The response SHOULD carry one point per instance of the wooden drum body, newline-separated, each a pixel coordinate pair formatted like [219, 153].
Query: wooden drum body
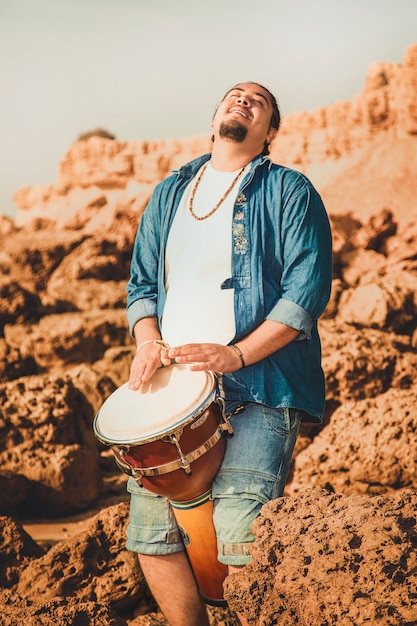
[169, 435]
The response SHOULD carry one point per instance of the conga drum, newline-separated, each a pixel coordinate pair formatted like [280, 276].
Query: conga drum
[169, 436]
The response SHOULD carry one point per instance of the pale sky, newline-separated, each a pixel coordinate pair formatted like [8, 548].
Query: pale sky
[155, 69]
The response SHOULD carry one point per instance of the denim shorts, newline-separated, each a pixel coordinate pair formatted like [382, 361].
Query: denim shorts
[253, 471]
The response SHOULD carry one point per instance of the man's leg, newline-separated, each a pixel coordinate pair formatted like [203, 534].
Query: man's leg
[154, 535]
[253, 471]
[173, 586]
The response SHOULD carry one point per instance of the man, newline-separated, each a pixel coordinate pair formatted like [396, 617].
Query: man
[230, 272]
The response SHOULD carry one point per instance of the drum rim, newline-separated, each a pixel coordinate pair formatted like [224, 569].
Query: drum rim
[157, 435]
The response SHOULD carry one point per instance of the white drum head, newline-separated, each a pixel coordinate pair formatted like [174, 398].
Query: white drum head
[169, 398]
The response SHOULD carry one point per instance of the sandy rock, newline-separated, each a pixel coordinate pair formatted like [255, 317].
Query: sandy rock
[14, 490]
[374, 234]
[95, 385]
[116, 363]
[382, 301]
[70, 338]
[27, 197]
[369, 446]
[344, 127]
[149, 619]
[105, 163]
[72, 612]
[93, 566]
[356, 262]
[217, 617]
[369, 179]
[17, 550]
[402, 249]
[47, 437]
[338, 288]
[34, 255]
[99, 173]
[17, 304]
[13, 365]
[79, 208]
[57, 612]
[344, 228]
[366, 305]
[96, 162]
[93, 276]
[118, 222]
[7, 226]
[362, 364]
[358, 248]
[410, 90]
[331, 559]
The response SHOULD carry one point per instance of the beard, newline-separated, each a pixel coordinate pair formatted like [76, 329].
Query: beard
[235, 131]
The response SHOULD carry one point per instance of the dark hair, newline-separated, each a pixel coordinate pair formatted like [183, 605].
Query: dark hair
[275, 121]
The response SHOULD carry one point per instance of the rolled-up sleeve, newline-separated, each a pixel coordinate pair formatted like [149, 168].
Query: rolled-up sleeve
[307, 255]
[294, 316]
[138, 310]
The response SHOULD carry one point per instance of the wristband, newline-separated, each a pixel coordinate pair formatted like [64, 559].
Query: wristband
[156, 342]
[239, 353]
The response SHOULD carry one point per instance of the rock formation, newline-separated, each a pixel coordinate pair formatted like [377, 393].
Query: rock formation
[341, 560]
[340, 547]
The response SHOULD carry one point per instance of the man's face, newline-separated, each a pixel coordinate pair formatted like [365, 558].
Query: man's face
[245, 112]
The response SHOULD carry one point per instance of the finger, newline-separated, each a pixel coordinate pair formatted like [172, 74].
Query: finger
[135, 381]
[149, 372]
[189, 353]
[165, 359]
[187, 349]
[136, 372]
[142, 375]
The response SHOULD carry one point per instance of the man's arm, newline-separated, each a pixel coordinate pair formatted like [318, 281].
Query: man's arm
[268, 338]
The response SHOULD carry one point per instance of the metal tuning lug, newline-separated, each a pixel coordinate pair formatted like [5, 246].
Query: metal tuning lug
[185, 464]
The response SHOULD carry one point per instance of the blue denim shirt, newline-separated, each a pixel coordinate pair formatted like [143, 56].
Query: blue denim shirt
[281, 270]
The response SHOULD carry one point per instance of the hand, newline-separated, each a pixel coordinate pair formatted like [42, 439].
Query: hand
[207, 356]
[145, 363]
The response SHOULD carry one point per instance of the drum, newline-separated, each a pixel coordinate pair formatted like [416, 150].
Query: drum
[169, 435]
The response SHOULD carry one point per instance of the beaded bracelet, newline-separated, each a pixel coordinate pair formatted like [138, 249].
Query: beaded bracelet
[156, 342]
[239, 353]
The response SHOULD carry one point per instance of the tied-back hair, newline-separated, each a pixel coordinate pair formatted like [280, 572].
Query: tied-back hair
[275, 121]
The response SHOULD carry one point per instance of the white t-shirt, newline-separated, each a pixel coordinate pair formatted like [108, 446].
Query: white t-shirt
[198, 259]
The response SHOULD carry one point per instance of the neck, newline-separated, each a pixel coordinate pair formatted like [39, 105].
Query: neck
[228, 156]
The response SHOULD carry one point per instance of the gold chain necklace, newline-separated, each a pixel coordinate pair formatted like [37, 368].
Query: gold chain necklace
[197, 182]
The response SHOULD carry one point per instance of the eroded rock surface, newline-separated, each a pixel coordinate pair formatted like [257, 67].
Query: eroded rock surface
[46, 436]
[323, 558]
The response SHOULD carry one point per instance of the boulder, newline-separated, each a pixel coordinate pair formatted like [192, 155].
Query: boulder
[92, 276]
[323, 558]
[386, 301]
[47, 438]
[369, 446]
[93, 566]
[17, 550]
[66, 339]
